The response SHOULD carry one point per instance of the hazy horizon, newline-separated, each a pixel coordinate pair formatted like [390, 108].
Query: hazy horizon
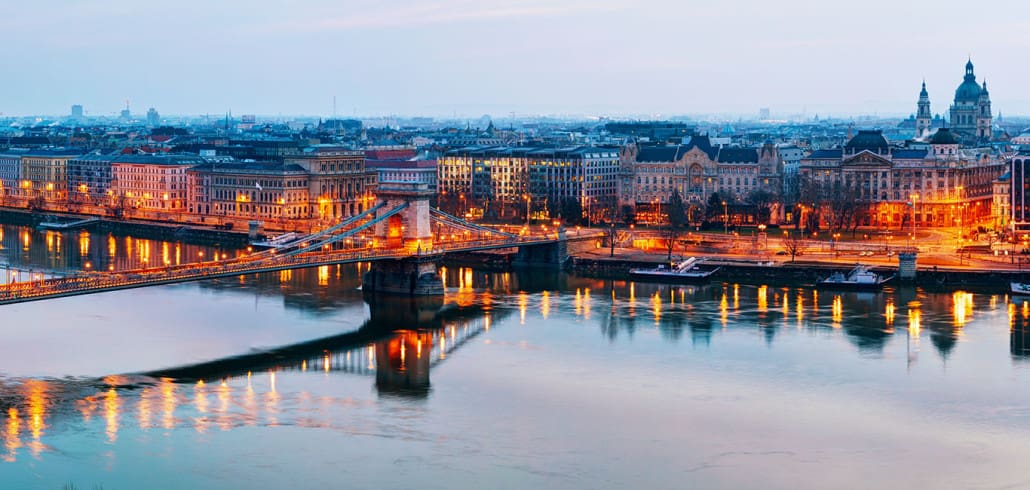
[459, 58]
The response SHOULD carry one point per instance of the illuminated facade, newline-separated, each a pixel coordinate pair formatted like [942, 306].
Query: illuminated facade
[1019, 181]
[249, 190]
[337, 181]
[44, 174]
[152, 183]
[499, 180]
[942, 185]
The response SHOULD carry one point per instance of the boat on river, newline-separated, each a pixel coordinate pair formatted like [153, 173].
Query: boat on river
[861, 277]
[1020, 288]
[687, 271]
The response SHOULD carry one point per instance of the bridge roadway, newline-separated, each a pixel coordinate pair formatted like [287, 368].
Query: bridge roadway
[97, 282]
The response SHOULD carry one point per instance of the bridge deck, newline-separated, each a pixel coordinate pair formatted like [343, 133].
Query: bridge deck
[96, 282]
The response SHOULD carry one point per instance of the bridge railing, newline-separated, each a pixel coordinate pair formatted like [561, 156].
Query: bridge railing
[240, 265]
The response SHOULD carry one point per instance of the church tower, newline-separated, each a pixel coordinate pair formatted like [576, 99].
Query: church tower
[923, 116]
[983, 116]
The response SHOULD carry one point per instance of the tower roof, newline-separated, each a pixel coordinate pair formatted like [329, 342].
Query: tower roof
[968, 90]
[943, 136]
[923, 93]
[867, 140]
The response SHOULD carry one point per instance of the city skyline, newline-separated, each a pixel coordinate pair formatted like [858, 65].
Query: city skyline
[460, 58]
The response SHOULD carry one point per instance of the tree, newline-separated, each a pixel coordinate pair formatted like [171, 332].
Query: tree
[677, 218]
[762, 201]
[572, 211]
[713, 207]
[792, 244]
[629, 215]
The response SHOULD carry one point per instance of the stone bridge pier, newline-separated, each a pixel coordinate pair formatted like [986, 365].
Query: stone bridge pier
[410, 229]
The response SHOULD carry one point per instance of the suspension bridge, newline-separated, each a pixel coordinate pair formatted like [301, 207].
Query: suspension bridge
[396, 235]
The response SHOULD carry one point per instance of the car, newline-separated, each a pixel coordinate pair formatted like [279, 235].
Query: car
[782, 252]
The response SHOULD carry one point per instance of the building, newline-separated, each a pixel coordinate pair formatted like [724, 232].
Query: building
[697, 171]
[269, 191]
[77, 113]
[502, 182]
[1019, 183]
[148, 183]
[1001, 209]
[10, 175]
[791, 156]
[337, 180]
[971, 111]
[924, 118]
[89, 178]
[44, 175]
[870, 182]
[153, 118]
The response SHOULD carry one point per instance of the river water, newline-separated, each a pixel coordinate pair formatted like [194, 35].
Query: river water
[529, 379]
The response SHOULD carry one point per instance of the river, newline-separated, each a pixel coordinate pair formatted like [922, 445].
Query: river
[528, 379]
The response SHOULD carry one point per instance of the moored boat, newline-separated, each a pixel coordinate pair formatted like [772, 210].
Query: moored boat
[861, 277]
[687, 271]
[1020, 288]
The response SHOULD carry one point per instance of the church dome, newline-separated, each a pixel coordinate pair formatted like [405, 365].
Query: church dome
[969, 90]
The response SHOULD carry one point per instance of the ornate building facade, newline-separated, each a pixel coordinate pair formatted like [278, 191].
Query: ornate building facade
[894, 187]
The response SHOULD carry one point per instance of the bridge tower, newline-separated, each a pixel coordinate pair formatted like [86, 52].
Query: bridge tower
[411, 229]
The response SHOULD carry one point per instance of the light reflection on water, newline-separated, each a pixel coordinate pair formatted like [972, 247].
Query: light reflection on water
[538, 379]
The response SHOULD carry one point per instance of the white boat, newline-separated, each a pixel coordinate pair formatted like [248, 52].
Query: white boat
[686, 271]
[1020, 288]
[861, 277]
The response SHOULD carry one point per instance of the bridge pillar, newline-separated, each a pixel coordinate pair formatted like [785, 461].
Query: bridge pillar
[412, 276]
[548, 254]
[411, 227]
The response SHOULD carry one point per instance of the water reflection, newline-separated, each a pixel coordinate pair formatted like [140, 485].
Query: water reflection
[398, 346]
[25, 252]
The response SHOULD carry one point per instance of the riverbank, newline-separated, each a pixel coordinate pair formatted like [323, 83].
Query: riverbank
[137, 228]
[798, 272]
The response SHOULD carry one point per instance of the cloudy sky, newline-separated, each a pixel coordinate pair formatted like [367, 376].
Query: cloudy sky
[467, 57]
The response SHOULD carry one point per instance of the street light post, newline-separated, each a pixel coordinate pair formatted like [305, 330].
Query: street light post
[725, 219]
[914, 197]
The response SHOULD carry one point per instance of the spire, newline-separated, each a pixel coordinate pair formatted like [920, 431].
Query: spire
[984, 92]
[922, 93]
[969, 70]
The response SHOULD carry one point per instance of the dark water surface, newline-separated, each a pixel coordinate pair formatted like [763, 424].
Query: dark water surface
[522, 380]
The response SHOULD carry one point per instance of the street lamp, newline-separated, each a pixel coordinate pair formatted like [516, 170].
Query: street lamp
[725, 218]
[913, 197]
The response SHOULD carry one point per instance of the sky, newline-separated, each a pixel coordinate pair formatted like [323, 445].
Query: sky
[642, 58]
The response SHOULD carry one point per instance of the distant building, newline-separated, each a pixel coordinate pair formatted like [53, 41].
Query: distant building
[498, 180]
[10, 174]
[77, 112]
[270, 191]
[153, 118]
[89, 178]
[939, 185]
[337, 180]
[1019, 183]
[44, 174]
[763, 114]
[971, 112]
[151, 183]
[1001, 209]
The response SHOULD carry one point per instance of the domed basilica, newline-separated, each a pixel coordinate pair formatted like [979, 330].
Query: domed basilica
[970, 115]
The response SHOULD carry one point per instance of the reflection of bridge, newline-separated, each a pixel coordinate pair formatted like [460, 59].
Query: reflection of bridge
[402, 235]
[399, 344]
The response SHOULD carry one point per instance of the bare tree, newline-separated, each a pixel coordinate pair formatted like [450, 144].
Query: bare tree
[792, 244]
